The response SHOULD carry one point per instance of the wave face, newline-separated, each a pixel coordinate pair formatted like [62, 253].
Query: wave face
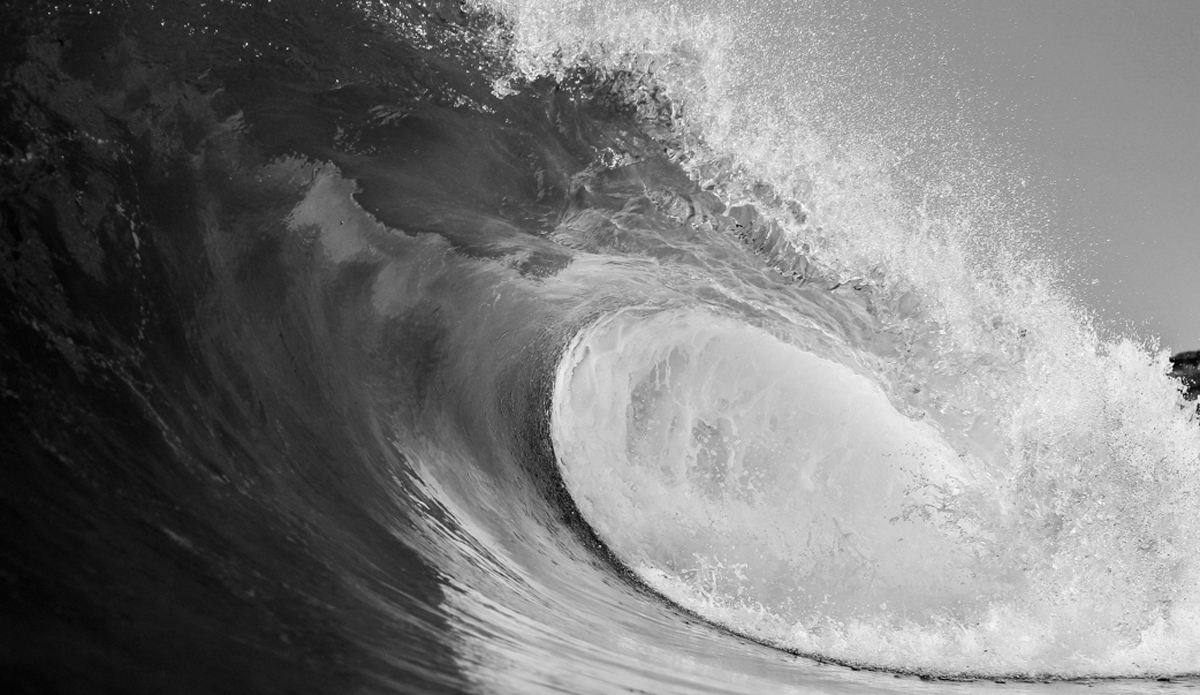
[529, 347]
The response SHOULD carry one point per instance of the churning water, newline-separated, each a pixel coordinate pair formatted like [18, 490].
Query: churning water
[543, 347]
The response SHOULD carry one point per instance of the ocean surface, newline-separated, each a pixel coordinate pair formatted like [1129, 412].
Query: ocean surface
[524, 346]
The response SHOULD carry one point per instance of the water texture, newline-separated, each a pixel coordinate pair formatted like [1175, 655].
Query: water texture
[555, 347]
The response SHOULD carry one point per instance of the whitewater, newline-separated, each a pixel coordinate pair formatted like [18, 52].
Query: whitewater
[588, 346]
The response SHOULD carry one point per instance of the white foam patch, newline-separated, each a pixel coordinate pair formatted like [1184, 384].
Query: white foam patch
[780, 493]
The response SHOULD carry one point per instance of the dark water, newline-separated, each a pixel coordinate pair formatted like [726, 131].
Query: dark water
[286, 290]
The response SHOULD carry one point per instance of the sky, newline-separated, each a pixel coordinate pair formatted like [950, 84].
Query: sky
[1106, 96]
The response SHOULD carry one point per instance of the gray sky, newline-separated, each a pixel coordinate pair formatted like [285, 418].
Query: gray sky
[1108, 95]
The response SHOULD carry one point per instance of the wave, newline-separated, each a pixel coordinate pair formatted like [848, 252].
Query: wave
[1003, 537]
[526, 346]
